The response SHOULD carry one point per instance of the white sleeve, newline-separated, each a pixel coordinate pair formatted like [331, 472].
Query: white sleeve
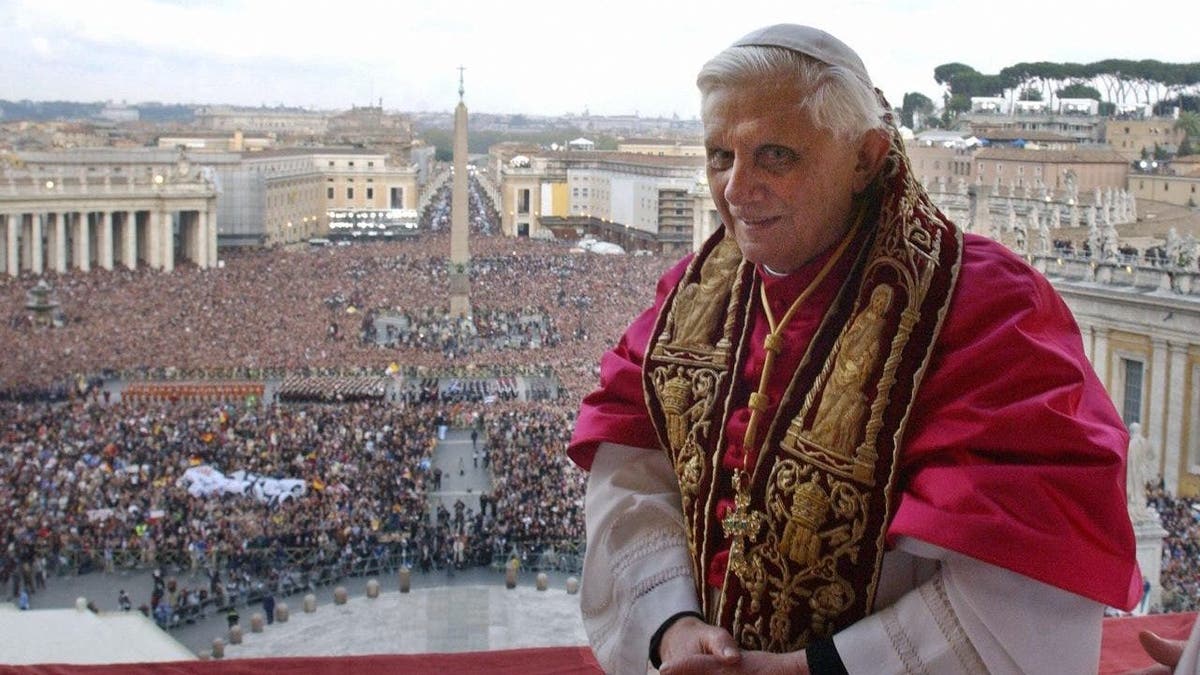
[972, 617]
[636, 570]
[1189, 663]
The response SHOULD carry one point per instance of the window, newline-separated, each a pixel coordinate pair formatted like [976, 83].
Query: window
[370, 192]
[351, 162]
[349, 193]
[1131, 403]
[370, 164]
[522, 201]
[329, 193]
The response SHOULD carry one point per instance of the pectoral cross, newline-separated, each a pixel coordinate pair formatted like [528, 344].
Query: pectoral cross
[741, 522]
[741, 525]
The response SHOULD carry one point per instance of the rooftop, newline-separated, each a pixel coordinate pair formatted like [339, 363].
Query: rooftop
[1072, 156]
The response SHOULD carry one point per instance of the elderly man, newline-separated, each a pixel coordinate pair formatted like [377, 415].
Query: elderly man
[847, 437]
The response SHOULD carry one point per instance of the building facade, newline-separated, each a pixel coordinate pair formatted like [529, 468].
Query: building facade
[1141, 330]
[1180, 190]
[649, 194]
[1022, 167]
[662, 147]
[281, 197]
[280, 121]
[1139, 138]
[78, 222]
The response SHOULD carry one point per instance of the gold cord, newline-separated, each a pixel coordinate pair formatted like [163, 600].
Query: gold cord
[773, 343]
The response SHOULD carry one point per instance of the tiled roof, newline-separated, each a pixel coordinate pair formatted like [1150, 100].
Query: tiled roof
[1073, 156]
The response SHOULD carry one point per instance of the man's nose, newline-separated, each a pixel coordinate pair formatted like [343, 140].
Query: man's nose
[743, 184]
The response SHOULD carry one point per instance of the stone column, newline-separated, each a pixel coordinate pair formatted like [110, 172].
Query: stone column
[1087, 332]
[200, 254]
[34, 243]
[104, 257]
[83, 238]
[167, 241]
[11, 257]
[211, 233]
[1100, 362]
[1156, 415]
[58, 244]
[153, 245]
[1174, 455]
[129, 240]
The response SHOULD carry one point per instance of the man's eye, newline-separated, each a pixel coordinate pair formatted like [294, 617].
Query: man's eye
[720, 159]
[775, 155]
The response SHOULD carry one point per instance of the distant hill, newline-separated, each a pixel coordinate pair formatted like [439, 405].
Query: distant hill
[44, 111]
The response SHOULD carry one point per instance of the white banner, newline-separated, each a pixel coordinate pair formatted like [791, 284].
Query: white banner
[204, 481]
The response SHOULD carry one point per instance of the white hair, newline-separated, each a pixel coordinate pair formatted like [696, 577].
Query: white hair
[835, 97]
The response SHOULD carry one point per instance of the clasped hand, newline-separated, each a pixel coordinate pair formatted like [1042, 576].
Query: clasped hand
[692, 646]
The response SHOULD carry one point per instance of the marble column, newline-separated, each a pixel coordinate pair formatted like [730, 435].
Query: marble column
[153, 245]
[1157, 415]
[201, 238]
[1088, 334]
[1100, 363]
[33, 243]
[1175, 456]
[83, 240]
[11, 260]
[211, 233]
[129, 240]
[167, 241]
[57, 244]
[104, 256]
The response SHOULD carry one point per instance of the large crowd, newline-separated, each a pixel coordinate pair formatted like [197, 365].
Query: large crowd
[1181, 550]
[94, 486]
[90, 481]
[302, 310]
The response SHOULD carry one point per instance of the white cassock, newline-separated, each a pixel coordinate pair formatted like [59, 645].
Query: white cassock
[937, 611]
[1190, 663]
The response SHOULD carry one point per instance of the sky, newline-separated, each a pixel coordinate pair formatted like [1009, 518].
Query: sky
[611, 57]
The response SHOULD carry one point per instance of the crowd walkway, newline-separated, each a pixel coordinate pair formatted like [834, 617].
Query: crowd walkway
[464, 474]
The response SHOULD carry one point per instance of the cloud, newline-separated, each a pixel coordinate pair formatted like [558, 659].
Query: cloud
[41, 47]
[530, 56]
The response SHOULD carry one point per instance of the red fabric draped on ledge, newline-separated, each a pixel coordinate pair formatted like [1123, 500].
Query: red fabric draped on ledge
[1120, 653]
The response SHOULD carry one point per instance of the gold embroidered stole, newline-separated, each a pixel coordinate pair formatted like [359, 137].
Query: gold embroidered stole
[808, 531]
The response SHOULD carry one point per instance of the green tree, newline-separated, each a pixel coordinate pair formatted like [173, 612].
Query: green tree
[1189, 124]
[915, 102]
[945, 73]
[1079, 90]
[1030, 94]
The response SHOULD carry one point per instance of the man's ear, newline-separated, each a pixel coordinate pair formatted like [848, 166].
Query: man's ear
[872, 150]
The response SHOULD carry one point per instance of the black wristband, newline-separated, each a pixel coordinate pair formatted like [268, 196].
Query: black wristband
[823, 658]
[656, 639]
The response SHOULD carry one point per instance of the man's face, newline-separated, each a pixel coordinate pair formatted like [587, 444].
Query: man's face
[783, 187]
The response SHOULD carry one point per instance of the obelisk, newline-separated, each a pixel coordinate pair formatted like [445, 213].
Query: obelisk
[460, 256]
